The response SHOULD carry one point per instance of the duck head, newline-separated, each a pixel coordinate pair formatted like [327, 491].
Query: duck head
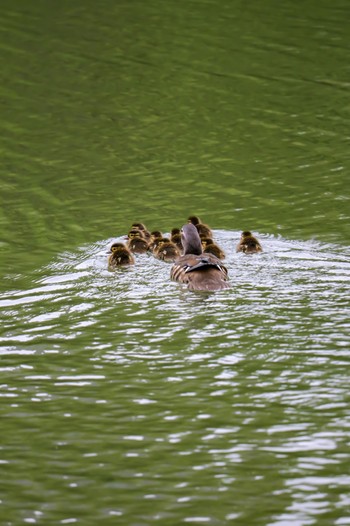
[191, 241]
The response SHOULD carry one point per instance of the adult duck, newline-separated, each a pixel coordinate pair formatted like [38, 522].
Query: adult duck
[197, 270]
[120, 256]
[248, 244]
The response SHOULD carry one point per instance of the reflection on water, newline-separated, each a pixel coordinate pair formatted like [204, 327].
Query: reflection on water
[184, 401]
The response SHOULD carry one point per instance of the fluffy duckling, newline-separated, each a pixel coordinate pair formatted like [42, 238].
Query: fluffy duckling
[156, 234]
[120, 256]
[156, 237]
[136, 242]
[209, 247]
[198, 270]
[153, 247]
[194, 220]
[167, 250]
[203, 230]
[248, 244]
[206, 241]
[135, 232]
[140, 226]
[175, 237]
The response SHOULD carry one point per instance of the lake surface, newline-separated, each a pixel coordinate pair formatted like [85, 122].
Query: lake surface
[126, 399]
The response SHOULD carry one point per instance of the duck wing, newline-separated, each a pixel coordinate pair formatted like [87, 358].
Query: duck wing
[203, 272]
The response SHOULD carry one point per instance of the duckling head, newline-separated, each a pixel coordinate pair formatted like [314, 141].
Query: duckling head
[206, 241]
[135, 233]
[139, 226]
[156, 234]
[194, 220]
[116, 246]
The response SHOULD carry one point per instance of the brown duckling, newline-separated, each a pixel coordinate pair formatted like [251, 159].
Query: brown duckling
[248, 244]
[156, 235]
[194, 220]
[136, 242]
[120, 256]
[135, 232]
[153, 247]
[209, 247]
[206, 241]
[167, 250]
[140, 226]
[198, 270]
[203, 230]
[175, 237]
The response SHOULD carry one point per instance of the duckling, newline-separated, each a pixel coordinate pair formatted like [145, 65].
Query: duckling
[209, 247]
[166, 250]
[194, 220]
[143, 229]
[153, 247]
[198, 270]
[203, 230]
[137, 243]
[248, 244]
[135, 232]
[156, 236]
[206, 241]
[175, 237]
[120, 256]
[140, 226]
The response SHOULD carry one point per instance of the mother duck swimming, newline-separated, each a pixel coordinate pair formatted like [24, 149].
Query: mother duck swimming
[198, 270]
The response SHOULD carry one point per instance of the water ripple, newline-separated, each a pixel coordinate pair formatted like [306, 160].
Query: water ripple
[286, 287]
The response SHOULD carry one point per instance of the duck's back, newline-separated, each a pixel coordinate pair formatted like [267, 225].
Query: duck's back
[200, 272]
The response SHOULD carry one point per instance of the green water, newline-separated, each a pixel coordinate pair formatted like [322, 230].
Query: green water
[126, 399]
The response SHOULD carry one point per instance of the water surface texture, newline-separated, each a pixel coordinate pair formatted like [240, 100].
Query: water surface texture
[125, 398]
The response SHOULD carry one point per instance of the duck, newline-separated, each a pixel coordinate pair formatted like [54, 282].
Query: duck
[248, 243]
[166, 250]
[209, 247]
[203, 230]
[156, 236]
[120, 256]
[194, 220]
[135, 232]
[199, 271]
[140, 226]
[153, 247]
[136, 242]
[175, 237]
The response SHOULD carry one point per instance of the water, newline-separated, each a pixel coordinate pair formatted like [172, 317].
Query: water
[127, 399]
[131, 397]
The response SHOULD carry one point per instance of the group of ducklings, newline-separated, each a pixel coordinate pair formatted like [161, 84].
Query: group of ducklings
[141, 241]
